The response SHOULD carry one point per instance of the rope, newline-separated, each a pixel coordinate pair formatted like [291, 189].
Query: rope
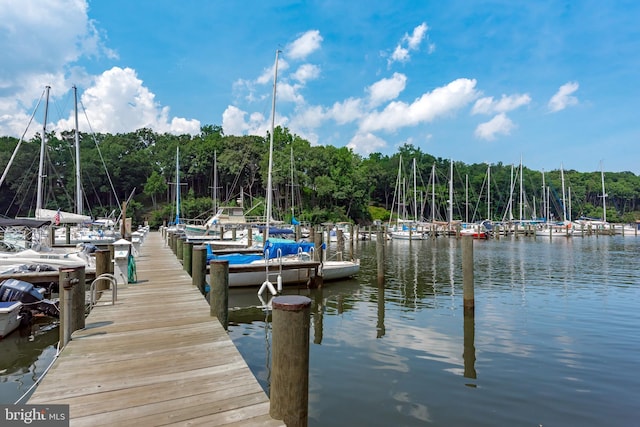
[41, 376]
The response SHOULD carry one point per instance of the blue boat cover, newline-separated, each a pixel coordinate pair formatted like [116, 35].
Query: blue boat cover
[280, 248]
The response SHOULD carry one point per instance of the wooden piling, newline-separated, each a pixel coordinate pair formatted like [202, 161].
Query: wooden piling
[111, 257]
[340, 243]
[180, 246]
[187, 256]
[72, 301]
[290, 360]
[469, 351]
[318, 236]
[380, 255]
[467, 273]
[199, 267]
[219, 294]
[103, 259]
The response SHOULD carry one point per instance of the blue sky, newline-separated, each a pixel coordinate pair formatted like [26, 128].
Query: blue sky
[552, 82]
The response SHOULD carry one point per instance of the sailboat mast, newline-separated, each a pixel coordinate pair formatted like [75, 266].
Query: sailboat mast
[564, 197]
[41, 176]
[521, 191]
[544, 199]
[215, 182]
[604, 195]
[415, 197]
[177, 185]
[466, 198]
[292, 187]
[489, 192]
[270, 170]
[450, 191]
[433, 193]
[79, 207]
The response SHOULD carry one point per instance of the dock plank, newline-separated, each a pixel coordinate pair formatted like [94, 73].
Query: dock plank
[155, 357]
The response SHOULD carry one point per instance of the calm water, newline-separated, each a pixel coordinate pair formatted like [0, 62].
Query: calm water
[555, 340]
[24, 355]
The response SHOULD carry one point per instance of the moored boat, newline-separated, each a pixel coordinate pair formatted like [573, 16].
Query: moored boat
[9, 317]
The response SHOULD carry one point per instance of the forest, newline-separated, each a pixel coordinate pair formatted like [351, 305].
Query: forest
[314, 183]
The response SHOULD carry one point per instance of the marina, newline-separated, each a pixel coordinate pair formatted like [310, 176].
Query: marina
[552, 339]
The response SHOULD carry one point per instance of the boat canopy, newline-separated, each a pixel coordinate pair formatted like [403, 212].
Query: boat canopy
[23, 222]
[277, 249]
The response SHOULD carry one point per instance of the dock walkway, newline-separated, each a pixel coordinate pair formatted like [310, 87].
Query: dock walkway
[154, 358]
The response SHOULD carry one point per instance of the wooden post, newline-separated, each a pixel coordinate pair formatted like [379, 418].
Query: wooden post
[123, 221]
[219, 294]
[199, 267]
[172, 241]
[290, 360]
[318, 244]
[187, 255]
[467, 273]
[51, 237]
[72, 281]
[67, 229]
[469, 351]
[180, 246]
[340, 243]
[353, 235]
[103, 258]
[380, 255]
[111, 257]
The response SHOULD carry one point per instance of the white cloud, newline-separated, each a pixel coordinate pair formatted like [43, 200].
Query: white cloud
[118, 102]
[304, 45]
[346, 111]
[233, 121]
[441, 101]
[409, 43]
[267, 73]
[500, 124]
[41, 45]
[563, 97]
[308, 118]
[386, 89]
[488, 105]
[289, 93]
[366, 143]
[400, 54]
[306, 72]
[415, 39]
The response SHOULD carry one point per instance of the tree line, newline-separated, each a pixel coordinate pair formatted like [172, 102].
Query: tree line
[314, 183]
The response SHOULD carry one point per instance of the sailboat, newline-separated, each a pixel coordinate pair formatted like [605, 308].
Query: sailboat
[282, 262]
[39, 254]
[561, 228]
[402, 230]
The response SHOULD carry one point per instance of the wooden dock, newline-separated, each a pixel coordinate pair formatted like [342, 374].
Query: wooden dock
[155, 358]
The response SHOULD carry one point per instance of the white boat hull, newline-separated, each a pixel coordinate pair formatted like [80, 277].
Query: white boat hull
[330, 270]
[9, 317]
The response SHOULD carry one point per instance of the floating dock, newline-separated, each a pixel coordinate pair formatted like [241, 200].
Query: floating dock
[154, 358]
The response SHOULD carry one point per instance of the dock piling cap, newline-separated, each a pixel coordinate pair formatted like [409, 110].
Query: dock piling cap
[290, 302]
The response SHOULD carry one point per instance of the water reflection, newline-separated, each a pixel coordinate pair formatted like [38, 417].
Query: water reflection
[548, 315]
